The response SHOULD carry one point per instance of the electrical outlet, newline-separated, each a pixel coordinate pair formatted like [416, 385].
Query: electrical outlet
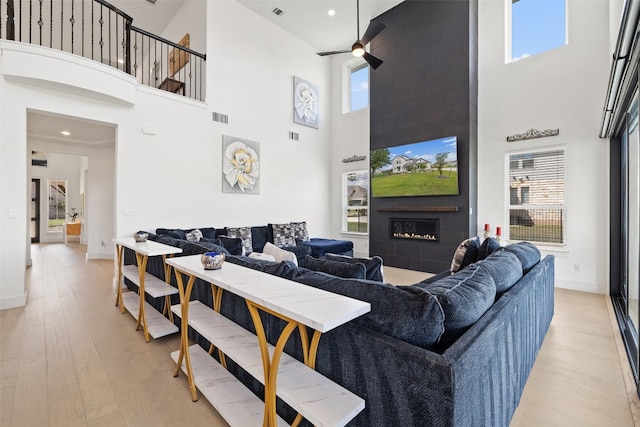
[576, 267]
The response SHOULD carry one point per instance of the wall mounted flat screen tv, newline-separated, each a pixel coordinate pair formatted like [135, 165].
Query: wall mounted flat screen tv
[427, 168]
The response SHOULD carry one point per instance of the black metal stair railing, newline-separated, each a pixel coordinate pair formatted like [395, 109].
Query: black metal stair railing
[97, 30]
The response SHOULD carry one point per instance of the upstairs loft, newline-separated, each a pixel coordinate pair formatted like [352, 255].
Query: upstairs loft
[97, 30]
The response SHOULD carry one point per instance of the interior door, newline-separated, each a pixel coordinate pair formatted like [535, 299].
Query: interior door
[35, 211]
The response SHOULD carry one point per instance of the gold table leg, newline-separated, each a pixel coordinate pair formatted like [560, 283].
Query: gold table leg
[185, 296]
[270, 364]
[119, 301]
[142, 316]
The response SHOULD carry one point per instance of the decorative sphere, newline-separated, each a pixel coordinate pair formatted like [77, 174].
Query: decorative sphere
[212, 260]
[140, 237]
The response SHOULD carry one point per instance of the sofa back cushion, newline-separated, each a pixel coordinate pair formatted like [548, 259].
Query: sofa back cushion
[464, 297]
[341, 269]
[527, 253]
[505, 269]
[284, 269]
[404, 312]
[372, 265]
[487, 247]
[259, 237]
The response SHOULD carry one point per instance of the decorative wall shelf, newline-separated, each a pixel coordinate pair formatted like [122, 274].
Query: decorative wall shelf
[420, 209]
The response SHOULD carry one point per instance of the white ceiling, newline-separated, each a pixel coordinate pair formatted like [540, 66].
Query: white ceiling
[306, 19]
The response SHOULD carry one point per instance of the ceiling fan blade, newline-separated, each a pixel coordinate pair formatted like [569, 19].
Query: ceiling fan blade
[332, 52]
[373, 30]
[372, 60]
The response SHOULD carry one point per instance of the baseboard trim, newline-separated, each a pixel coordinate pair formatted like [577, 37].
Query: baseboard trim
[13, 302]
[100, 255]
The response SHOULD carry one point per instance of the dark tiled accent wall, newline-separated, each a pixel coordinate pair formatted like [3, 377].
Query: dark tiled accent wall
[427, 88]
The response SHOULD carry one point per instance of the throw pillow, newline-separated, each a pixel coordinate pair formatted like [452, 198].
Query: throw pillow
[489, 245]
[243, 233]
[279, 254]
[345, 270]
[234, 245]
[465, 254]
[283, 235]
[194, 236]
[177, 234]
[262, 256]
[373, 265]
[300, 231]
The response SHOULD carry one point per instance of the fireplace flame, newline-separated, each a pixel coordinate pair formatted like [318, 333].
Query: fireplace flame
[415, 236]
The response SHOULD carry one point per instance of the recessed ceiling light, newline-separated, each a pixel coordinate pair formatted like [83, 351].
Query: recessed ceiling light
[65, 132]
[331, 12]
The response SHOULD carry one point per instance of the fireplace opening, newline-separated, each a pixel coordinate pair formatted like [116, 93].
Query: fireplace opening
[418, 229]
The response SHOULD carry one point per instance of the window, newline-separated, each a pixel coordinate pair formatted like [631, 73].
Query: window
[359, 87]
[57, 204]
[355, 188]
[537, 210]
[536, 26]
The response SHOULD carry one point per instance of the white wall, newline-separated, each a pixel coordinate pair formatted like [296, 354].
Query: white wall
[349, 137]
[171, 176]
[562, 88]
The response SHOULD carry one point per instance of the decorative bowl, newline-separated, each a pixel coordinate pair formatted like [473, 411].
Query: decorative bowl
[212, 260]
[140, 237]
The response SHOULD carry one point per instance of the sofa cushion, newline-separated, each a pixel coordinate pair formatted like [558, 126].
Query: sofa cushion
[208, 232]
[420, 321]
[177, 234]
[465, 254]
[245, 234]
[300, 231]
[212, 246]
[283, 235]
[505, 269]
[337, 268]
[231, 246]
[193, 248]
[527, 253]
[259, 237]
[279, 254]
[372, 265]
[488, 245]
[464, 297]
[193, 236]
[320, 247]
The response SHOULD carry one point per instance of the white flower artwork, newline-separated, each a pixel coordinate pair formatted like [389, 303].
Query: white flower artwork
[240, 165]
[306, 109]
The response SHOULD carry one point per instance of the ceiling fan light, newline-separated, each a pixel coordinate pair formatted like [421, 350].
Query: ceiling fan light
[357, 49]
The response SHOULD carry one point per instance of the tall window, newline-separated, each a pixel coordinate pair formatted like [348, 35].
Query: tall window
[359, 87]
[537, 211]
[537, 26]
[355, 201]
[57, 204]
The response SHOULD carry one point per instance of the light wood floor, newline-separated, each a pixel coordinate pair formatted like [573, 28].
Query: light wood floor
[69, 358]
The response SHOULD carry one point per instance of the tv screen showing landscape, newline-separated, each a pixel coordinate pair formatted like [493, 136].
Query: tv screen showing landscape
[427, 168]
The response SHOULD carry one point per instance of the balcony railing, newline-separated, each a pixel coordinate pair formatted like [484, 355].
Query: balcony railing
[99, 31]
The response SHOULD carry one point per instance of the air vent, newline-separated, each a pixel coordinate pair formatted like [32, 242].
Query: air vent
[294, 136]
[221, 118]
[152, 1]
[278, 12]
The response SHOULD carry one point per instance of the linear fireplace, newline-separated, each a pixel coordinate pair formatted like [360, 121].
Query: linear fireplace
[417, 229]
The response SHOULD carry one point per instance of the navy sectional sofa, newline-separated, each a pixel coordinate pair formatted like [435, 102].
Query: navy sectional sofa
[454, 350]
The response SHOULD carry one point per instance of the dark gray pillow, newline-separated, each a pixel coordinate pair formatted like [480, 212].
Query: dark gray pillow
[232, 244]
[373, 265]
[465, 254]
[504, 267]
[177, 234]
[487, 247]
[341, 269]
[406, 313]
[213, 245]
[527, 253]
[464, 297]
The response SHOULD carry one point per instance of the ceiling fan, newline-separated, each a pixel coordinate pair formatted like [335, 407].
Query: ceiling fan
[357, 49]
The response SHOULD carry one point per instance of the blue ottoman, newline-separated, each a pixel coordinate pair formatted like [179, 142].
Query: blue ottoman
[319, 247]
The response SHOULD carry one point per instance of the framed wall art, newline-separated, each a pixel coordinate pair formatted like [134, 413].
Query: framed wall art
[306, 108]
[240, 165]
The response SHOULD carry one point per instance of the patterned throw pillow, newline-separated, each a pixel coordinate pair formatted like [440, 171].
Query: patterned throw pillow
[283, 235]
[300, 231]
[245, 234]
[194, 236]
[465, 254]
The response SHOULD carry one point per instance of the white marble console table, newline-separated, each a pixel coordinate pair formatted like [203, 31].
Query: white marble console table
[312, 395]
[153, 323]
